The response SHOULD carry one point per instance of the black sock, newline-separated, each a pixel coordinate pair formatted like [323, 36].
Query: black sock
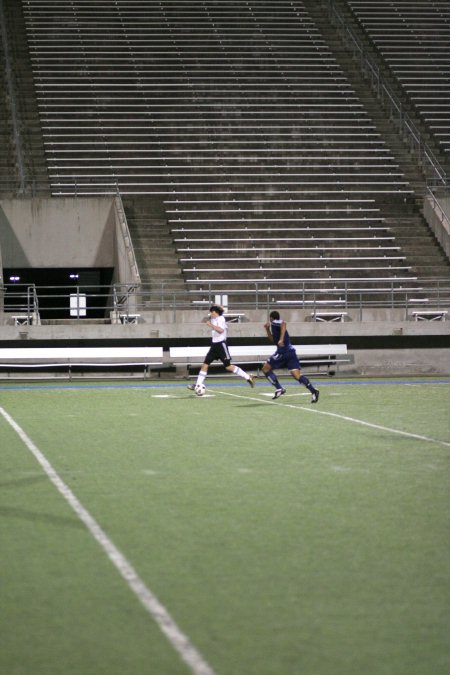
[304, 380]
[273, 379]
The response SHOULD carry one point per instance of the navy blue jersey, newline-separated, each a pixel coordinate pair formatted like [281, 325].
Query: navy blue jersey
[275, 327]
[286, 356]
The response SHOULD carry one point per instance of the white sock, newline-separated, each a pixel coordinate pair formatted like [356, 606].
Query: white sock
[241, 373]
[200, 378]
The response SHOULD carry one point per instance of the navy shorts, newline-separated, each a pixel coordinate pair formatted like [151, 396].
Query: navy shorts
[286, 358]
[218, 352]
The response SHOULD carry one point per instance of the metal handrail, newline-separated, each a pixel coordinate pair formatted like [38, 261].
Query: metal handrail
[406, 125]
[45, 302]
[441, 211]
[122, 218]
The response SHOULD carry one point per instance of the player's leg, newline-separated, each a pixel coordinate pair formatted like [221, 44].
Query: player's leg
[302, 379]
[273, 379]
[202, 373]
[225, 356]
[241, 373]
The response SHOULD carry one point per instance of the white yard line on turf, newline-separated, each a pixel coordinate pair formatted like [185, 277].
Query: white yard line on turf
[159, 613]
[317, 411]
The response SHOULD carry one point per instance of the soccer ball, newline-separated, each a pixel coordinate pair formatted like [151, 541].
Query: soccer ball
[200, 389]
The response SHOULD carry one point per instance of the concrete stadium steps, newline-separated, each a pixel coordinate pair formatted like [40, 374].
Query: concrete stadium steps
[152, 242]
[288, 254]
[420, 246]
[321, 269]
[412, 40]
[241, 242]
[318, 293]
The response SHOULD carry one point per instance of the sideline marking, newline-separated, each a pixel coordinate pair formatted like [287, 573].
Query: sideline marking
[158, 612]
[98, 386]
[315, 410]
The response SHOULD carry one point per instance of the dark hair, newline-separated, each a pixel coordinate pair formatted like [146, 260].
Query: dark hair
[216, 308]
[275, 315]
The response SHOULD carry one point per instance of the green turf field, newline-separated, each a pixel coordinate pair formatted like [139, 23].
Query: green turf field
[280, 538]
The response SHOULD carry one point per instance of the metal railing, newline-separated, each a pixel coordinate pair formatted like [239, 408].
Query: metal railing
[119, 303]
[126, 237]
[441, 206]
[435, 173]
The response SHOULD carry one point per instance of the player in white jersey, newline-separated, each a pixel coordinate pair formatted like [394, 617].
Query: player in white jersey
[218, 350]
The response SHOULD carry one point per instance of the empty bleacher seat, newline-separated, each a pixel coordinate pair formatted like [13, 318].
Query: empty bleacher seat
[238, 116]
[413, 39]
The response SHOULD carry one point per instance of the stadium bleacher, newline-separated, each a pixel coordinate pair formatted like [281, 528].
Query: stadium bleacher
[413, 39]
[239, 118]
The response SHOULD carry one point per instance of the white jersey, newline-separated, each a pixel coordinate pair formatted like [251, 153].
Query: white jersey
[220, 322]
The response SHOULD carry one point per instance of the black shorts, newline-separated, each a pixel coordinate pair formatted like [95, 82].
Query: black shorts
[218, 352]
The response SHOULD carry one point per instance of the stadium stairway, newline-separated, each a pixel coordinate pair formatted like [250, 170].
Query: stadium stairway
[153, 246]
[434, 64]
[405, 221]
[411, 41]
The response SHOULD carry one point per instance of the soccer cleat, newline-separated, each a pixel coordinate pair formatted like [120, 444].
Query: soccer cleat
[315, 396]
[251, 381]
[278, 393]
[191, 387]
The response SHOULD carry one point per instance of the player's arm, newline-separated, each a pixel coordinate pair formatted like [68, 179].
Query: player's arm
[219, 329]
[268, 331]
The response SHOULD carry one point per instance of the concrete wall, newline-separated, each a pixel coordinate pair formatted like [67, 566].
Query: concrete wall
[68, 232]
[432, 357]
[57, 232]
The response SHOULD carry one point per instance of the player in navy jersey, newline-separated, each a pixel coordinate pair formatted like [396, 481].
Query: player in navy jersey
[218, 350]
[284, 357]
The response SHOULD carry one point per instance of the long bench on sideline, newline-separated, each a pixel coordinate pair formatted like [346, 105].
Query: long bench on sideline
[326, 356]
[69, 357]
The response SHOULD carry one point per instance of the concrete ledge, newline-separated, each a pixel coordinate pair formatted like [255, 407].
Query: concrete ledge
[194, 328]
